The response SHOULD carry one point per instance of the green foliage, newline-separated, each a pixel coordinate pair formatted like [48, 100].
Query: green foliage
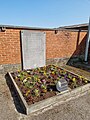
[43, 86]
[36, 92]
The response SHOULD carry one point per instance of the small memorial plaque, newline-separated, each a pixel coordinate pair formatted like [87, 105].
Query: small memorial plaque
[62, 85]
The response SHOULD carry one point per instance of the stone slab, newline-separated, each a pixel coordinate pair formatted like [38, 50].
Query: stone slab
[33, 49]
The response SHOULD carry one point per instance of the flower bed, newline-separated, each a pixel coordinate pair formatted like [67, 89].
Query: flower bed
[40, 83]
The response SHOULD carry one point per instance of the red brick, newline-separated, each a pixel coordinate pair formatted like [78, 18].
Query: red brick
[62, 44]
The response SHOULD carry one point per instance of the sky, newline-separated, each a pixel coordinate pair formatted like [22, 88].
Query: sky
[44, 13]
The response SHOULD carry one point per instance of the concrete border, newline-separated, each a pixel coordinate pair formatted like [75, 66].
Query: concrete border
[62, 97]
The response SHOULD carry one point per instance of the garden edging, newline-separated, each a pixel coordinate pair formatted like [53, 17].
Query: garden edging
[49, 101]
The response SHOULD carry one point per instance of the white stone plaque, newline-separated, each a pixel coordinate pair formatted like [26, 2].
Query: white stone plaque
[33, 49]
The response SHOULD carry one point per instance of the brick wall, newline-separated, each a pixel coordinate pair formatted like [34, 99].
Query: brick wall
[62, 44]
[10, 46]
[65, 44]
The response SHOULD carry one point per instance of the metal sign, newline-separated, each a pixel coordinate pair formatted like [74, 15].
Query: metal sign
[62, 85]
[33, 49]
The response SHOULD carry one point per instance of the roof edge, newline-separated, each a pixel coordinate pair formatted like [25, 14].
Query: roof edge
[25, 27]
[75, 26]
[38, 28]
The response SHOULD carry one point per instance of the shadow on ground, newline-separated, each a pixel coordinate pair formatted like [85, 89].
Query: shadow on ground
[14, 95]
[80, 51]
[81, 65]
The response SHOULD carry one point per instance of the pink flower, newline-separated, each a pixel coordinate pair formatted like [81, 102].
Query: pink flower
[44, 81]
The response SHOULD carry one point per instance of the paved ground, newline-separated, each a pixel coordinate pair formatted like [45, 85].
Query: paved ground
[76, 109]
